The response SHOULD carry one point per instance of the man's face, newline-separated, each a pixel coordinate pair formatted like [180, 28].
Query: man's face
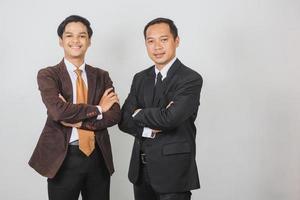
[75, 40]
[160, 43]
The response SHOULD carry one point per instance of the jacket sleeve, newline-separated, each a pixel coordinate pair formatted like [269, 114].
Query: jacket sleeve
[57, 108]
[127, 124]
[110, 118]
[186, 102]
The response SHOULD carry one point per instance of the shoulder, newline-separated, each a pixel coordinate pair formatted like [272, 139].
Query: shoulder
[144, 73]
[97, 70]
[189, 73]
[50, 71]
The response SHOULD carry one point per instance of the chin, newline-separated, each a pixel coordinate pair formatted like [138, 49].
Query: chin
[76, 56]
[161, 62]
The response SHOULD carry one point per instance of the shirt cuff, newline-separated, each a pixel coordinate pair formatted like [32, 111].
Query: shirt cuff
[147, 133]
[100, 116]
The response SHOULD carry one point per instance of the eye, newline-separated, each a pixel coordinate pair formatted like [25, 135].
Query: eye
[82, 36]
[150, 41]
[164, 39]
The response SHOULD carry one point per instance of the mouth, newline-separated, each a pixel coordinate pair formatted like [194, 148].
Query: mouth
[75, 47]
[159, 55]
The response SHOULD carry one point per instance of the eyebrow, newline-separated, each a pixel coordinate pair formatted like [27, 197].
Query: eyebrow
[79, 33]
[148, 38]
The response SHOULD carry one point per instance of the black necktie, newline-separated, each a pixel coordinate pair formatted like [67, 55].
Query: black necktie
[157, 88]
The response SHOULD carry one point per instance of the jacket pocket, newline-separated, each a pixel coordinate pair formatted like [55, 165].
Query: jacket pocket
[176, 148]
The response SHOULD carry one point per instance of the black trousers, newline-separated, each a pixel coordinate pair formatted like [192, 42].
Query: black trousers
[144, 191]
[80, 174]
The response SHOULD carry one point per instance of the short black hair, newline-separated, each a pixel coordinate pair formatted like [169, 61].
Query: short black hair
[160, 20]
[74, 18]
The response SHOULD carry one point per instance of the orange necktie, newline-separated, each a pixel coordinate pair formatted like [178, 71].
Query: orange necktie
[86, 138]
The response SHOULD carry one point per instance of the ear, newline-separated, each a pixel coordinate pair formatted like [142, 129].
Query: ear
[60, 42]
[177, 41]
[90, 42]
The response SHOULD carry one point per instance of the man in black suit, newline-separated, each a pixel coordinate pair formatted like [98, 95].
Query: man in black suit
[159, 112]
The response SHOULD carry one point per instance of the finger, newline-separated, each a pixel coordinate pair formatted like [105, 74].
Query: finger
[65, 123]
[112, 99]
[169, 104]
[113, 102]
[77, 125]
[61, 97]
[107, 91]
[111, 95]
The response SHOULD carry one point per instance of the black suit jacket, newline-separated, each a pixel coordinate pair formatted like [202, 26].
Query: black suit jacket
[171, 154]
[52, 146]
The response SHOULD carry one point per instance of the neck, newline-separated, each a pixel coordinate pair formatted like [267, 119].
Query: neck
[77, 62]
[160, 67]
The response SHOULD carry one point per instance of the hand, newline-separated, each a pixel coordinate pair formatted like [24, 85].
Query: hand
[108, 99]
[76, 125]
[156, 131]
[62, 98]
[169, 104]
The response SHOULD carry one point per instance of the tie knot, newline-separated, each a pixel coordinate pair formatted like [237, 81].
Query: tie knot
[78, 72]
[159, 76]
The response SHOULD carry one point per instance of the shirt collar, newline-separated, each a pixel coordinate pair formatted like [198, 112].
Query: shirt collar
[165, 69]
[71, 67]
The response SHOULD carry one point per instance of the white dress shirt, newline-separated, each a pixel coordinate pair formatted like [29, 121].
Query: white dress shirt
[73, 76]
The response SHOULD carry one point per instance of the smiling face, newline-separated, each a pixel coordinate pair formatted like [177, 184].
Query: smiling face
[75, 41]
[160, 43]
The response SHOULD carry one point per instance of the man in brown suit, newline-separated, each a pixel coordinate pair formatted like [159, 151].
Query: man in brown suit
[74, 149]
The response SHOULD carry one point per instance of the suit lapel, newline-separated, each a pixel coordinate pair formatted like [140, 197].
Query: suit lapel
[66, 83]
[148, 87]
[167, 82]
[66, 90]
[92, 83]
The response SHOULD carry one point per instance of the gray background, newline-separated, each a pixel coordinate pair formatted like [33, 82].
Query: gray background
[246, 50]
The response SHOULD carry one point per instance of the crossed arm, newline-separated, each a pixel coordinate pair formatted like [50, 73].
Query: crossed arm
[77, 114]
[183, 105]
[153, 131]
[108, 99]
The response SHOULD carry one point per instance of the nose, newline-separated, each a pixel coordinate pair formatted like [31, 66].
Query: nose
[158, 45]
[75, 39]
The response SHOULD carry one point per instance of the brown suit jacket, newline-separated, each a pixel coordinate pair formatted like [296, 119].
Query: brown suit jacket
[52, 145]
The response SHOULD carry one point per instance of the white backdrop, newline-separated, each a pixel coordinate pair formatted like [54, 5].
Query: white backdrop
[246, 50]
